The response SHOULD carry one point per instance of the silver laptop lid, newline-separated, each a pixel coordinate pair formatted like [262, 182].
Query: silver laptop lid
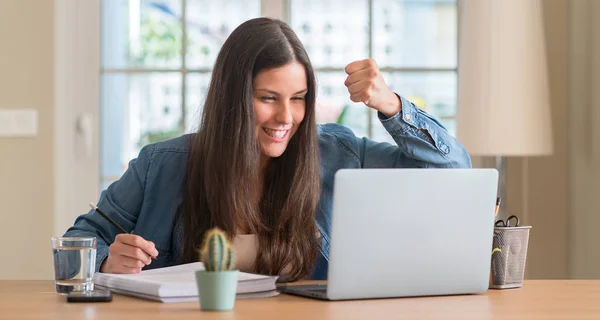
[411, 232]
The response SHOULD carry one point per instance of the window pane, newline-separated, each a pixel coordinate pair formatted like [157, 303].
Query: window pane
[449, 124]
[333, 99]
[141, 33]
[196, 89]
[434, 92]
[334, 32]
[414, 33]
[137, 109]
[209, 23]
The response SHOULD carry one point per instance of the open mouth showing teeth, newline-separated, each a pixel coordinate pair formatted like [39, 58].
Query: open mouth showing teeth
[277, 134]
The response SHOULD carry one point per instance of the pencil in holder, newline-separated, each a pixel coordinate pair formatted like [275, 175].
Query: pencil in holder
[509, 256]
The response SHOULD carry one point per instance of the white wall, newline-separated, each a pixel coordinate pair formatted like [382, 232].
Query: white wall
[584, 139]
[52, 67]
[26, 164]
[559, 195]
[544, 181]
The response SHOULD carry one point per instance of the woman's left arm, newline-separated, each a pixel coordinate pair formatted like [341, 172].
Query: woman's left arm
[420, 138]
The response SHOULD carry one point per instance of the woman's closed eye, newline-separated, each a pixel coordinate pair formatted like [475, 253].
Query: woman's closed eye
[267, 98]
[272, 98]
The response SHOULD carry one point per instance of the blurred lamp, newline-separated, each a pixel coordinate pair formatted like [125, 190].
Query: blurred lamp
[503, 99]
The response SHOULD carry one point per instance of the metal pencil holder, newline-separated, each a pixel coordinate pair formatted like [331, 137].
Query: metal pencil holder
[509, 254]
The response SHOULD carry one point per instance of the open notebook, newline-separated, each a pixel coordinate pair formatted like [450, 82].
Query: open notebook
[178, 284]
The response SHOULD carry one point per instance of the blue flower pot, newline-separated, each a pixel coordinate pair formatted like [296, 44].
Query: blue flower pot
[217, 290]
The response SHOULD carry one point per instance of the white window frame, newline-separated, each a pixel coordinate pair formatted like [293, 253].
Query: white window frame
[77, 108]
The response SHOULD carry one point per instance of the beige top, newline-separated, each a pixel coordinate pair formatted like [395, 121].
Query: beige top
[246, 248]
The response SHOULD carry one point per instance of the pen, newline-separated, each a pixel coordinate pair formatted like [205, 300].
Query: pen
[107, 218]
[112, 221]
[498, 200]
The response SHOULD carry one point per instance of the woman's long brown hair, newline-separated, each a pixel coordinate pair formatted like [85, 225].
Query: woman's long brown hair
[224, 158]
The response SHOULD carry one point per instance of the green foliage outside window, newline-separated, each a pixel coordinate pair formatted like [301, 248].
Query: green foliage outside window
[157, 136]
[159, 40]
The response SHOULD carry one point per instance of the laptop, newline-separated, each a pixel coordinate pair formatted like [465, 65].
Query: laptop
[408, 233]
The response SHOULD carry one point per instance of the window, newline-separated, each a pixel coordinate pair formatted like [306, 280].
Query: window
[157, 58]
[156, 63]
[414, 43]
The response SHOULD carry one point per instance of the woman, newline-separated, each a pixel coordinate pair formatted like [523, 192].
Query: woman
[259, 167]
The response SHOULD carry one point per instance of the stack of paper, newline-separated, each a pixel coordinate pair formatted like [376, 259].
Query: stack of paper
[178, 284]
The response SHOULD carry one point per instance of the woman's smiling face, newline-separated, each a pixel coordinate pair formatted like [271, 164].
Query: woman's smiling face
[279, 106]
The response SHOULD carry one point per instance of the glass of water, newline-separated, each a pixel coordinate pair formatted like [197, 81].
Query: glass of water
[74, 263]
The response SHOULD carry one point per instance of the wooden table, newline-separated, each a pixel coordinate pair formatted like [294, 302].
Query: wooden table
[539, 299]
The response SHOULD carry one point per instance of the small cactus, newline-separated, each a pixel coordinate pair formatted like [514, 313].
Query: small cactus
[217, 253]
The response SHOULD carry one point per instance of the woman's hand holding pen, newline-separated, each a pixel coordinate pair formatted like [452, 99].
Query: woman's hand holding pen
[129, 254]
[366, 84]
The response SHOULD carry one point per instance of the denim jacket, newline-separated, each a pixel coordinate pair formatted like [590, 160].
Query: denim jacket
[146, 198]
